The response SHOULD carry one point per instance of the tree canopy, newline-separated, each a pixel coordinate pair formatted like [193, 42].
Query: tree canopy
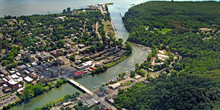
[190, 30]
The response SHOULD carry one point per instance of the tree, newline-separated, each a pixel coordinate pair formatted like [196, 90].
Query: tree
[72, 57]
[123, 74]
[120, 42]
[149, 57]
[68, 9]
[64, 10]
[77, 94]
[26, 59]
[55, 63]
[21, 83]
[141, 72]
[96, 107]
[119, 75]
[132, 74]
[128, 47]
[80, 103]
[178, 66]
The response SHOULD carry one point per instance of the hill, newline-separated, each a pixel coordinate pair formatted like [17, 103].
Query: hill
[188, 29]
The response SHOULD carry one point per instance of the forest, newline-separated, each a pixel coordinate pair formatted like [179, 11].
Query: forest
[187, 29]
[171, 93]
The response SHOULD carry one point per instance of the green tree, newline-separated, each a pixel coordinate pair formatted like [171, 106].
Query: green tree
[132, 74]
[72, 57]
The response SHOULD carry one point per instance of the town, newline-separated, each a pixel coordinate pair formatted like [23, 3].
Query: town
[39, 48]
[104, 95]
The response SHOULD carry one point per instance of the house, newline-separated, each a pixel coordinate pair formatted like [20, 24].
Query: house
[1, 82]
[162, 57]
[137, 77]
[81, 45]
[20, 90]
[34, 76]
[152, 59]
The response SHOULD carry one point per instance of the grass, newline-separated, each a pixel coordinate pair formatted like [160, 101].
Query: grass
[105, 27]
[127, 83]
[164, 30]
[21, 22]
[140, 84]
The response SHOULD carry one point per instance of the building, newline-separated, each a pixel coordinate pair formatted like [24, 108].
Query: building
[21, 67]
[78, 74]
[28, 79]
[103, 88]
[114, 86]
[91, 102]
[92, 68]
[67, 104]
[20, 90]
[146, 82]
[13, 84]
[137, 77]
[44, 80]
[109, 100]
[3, 71]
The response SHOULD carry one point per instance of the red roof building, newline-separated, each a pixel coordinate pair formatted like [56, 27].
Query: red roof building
[78, 74]
[92, 68]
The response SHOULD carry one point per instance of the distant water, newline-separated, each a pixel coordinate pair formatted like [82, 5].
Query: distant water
[29, 7]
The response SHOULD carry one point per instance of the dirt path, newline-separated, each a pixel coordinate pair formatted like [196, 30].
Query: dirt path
[97, 31]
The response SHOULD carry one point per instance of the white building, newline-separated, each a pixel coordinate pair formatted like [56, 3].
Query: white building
[114, 86]
[28, 79]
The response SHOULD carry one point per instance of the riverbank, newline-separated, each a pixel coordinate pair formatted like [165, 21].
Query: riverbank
[25, 96]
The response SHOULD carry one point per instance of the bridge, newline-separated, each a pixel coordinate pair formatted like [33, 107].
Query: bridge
[84, 89]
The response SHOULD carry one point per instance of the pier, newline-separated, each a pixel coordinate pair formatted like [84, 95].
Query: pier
[81, 87]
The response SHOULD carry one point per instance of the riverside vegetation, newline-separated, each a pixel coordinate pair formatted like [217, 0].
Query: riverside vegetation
[190, 30]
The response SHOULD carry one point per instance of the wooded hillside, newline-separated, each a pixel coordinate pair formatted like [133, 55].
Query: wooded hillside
[189, 29]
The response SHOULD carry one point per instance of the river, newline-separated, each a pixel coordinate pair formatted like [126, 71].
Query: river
[28, 7]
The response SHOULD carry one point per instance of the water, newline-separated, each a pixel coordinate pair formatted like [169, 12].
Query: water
[52, 95]
[28, 7]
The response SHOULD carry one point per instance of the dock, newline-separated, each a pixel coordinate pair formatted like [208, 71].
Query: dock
[81, 87]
